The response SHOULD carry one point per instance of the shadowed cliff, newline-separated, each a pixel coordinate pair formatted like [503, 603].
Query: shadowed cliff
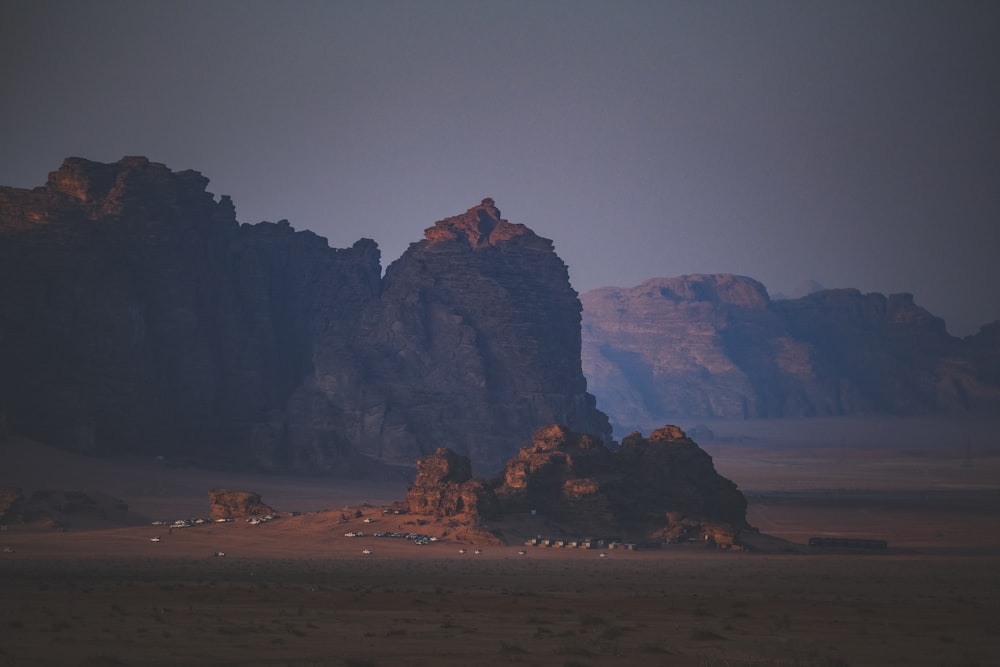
[138, 317]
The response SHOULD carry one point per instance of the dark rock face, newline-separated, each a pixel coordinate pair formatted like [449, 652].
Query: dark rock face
[479, 327]
[225, 504]
[717, 346]
[655, 488]
[137, 316]
[668, 472]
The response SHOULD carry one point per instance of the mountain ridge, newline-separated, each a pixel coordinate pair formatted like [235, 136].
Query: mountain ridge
[138, 317]
[717, 346]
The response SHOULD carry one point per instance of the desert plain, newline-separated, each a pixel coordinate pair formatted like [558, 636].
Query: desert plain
[296, 591]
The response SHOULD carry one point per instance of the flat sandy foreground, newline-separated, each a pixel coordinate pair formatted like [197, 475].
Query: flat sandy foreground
[296, 591]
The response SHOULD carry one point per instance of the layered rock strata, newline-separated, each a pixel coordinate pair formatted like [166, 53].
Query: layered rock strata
[716, 346]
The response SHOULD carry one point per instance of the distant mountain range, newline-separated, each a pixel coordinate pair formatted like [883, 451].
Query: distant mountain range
[716, 346]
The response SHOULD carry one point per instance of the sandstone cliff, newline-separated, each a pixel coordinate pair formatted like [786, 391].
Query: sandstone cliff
[479, 325]
[717, 346]
[137, 316]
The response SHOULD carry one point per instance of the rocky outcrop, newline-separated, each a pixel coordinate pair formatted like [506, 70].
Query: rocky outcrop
[655, 489]
[663, 488]
[137, 316]
[225, 504]
[703, 346]
[444, 487]
[668, 474]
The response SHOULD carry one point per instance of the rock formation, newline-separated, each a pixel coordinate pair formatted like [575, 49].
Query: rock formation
[225, 504]
[663, 488]
[476, 342]
[655, 489]
[137, 316]
[444, 487]
[717, 346]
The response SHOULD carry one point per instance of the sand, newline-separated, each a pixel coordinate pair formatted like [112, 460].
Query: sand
[296, 591]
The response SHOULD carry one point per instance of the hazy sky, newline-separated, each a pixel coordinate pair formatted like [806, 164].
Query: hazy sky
[853, 143]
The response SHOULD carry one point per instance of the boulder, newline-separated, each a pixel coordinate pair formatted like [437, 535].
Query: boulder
[225, 504]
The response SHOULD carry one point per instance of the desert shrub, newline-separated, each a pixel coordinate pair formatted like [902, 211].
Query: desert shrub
[571, 648]
[509, 648]
[358, 662]
[781, 622]
[704, 634]
[592, 619]
[653, 647]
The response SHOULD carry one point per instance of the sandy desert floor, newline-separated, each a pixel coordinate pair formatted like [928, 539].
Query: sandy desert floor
[296, 591]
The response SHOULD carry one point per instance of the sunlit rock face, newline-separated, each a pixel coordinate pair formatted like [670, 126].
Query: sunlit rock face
[444, 487]
[227, 504]
[716, 346]
[138, 316]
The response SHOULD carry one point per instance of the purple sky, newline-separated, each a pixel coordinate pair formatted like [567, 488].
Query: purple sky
[853, 143]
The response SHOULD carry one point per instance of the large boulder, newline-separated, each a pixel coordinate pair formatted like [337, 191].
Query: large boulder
[226, 504]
